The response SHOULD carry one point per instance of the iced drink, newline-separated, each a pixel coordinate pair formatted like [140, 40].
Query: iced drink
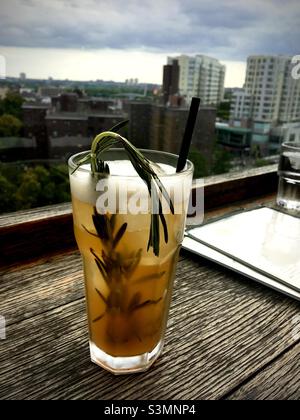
[128, 287]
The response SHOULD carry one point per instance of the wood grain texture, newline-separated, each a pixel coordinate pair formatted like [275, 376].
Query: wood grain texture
[37, 288]
[239, 175]
[48, 231]
[277, 381]
[223, 330]
[33, 215]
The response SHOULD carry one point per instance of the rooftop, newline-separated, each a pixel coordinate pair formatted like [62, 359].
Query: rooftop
[79, 116]
[226, 127]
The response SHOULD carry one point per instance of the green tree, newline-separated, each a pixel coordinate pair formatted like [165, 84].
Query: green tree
[28, 193]
[223, 110]
[41, 186]
[221, 161]
[256, 152]
[7, 190]
[12, 104]
[10, 126]
[200, 163]
[23, 186]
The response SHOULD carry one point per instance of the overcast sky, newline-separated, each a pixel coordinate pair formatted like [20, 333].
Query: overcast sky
[119, 39]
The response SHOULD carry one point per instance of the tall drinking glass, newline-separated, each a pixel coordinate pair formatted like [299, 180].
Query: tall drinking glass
[128, 284]
[289, 177]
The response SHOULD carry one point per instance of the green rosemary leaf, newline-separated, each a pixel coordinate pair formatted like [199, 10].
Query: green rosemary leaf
[135, 300]
[154, 238]
[108, 228]
[154, 228]
[101, 269]
[100, 225]
[100, 266]
[98, 318]
[146, 303]
[119, 235]
[164, 223]
[144, 167]
[91, 233]
[101, 296]
[86, 159]
[112, 222]
[119, 126]
[102, 167]
[108, 262]
[164, 193]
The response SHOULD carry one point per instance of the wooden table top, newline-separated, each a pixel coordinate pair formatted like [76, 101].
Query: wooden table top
[228, 338]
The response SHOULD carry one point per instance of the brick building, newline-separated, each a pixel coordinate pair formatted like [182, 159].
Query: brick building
[69, 120]
[34, 121]
[161, 128]
[170, 81]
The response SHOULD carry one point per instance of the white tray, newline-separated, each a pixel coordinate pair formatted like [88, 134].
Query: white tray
[262, 244]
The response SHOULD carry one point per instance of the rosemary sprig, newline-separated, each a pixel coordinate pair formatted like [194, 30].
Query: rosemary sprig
[117, 271]
[144, 167]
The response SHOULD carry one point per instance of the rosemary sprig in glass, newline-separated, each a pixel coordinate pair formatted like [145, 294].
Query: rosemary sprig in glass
[144, 167]
[116, 270]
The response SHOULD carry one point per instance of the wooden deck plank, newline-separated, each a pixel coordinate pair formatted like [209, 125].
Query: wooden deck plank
[223, 329]
[278, 381]
[41, 286]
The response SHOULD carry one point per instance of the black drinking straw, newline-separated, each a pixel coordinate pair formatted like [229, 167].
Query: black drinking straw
[188, 134]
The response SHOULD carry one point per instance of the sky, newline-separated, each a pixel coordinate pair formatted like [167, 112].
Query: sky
[120, 39]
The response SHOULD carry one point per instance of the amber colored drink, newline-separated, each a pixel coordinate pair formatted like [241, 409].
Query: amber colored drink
[128, 288]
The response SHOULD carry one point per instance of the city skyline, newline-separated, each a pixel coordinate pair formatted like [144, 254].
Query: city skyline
[93, 39]
[85, 65]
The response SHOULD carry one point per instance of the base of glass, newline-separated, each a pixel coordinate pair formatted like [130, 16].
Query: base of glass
[288, 204]
[125, 365]
[289, 194]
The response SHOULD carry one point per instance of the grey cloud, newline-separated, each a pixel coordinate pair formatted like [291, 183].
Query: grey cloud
[231, 29]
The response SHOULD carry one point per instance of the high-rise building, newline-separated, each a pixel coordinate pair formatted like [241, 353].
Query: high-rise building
[22, 76]
[170, 80]
[159, 127]
[273, 91]
[269, 104]
[200, 76]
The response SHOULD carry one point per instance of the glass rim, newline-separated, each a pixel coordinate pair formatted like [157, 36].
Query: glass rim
[291, 146]
[187, 170]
